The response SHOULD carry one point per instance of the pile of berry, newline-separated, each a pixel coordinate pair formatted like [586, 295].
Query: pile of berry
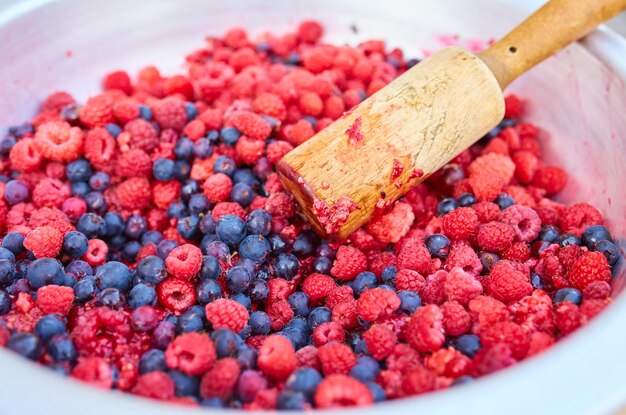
[148, 246]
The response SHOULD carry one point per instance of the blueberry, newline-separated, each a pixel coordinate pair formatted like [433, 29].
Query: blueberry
[165, 247]
[488, 260]
[224, 164]
[208, 290]
[145, 112]
[113, 274]
[113, 129]
[14, 242]
[151, 269]
[292, 401]
[48, 326]
[365, 370]
[569, 239]
[95, 202]
[16, 192]
[61, 349]
[286, 266]
[226, 342]
[242, 193]
[504, 201]
[75, 244]
[182, 169]
[136, 226]
[595, 233]
[6, 144]
[202, 148]
[258, 290]
[242, 299]
[461, 380]
[259, 323]
[152, 361]
[140, 295]
[255, 248]
[85, 289]
[319, 315]
[213, 403]
[364, 281]
[322, 265]
[549, 233]
[163, 334]
[191, 320]
[568, 294]
[5, 302]
[278, 243]
[467, 200]
[207, 224]
[229, 136]
[536, 281]
[19, 286]
[188, 227]
[183, 149]
[78, 171]
[43, 271]
[114, 224]
[7, 272]
[91, 225]
[198, 203]
[409, 301]
[609, 250]
[238, 279]
[99, 181]
[218, 249]
[177, 209]
[110, 297]
[191, 110]
[378, 393]
[305, 244]
[79, 189]
[446, 205]
[304, 380]
[468, 344]
[231, 229]
[243, 175]
[151, 237]
[389, 275]
[25, 344]
[184, 385]
[438, 245]
[299, 302]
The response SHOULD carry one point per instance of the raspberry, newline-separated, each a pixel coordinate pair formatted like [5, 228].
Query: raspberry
[597, 290]
[280, 313]
[99, 146]
[270, 104]
[578, 217]
[279, 290]
[588, 268]
[44, 241]
[50, 193]
[539, 342]
[364, 241]
[179, 84]
[345, 313]
[377, 303]
[591, 308]
[461, 286]
[409, 280]
[311, 104]
[461, 223]
[96, 252]
[414, 255]
[133, 163]
[184, 261]
[378, 261]
[337, 391]
[327, 332]
[118, 80]
[300, 132]
[280, 204]
[418, 381]
[310, 31]
[506, 283]
[499, 146]
[462, 255]
[336, 358]
[217, 188]
[519, 252]
[307, 356]
[403, 358]
[486, 187]
[434, 291]
[228, 314]
[486, 211]
[317, 287]
[58, 141]
[317, 60]
[493, 165]
[349, 262]
[524, 221]
[550, 178]
[24, 155]
[526, 165]
[165, 193]
[448, 362]
[495, 236]
[277, 150]
[339, 295]
[508, 333]
[392, 226]
[56, 101]
[334, 108]
[143, 135]
[220, 381]
[191, 353]
[380, 341]
[456, 320]
[55, 299]
[513, 106]
[99, 330]
[97, 111]
[425, 329]
[497, 357]
[155, 385]
[134, 193]
[53, 217]
[277, 358]
[251, 125]
[95, 371]
[176, 295]
[248, 150]
[170, 113]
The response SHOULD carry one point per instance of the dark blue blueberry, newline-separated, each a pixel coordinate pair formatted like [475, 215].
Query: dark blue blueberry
[324, 250]
[114, 224]
[311, 120]
[75, 244]
[286, 266]
[110, 297]
[231, 229]
[224, 164]
[85, 289]
[292, 401]
[255, 248]
[213, 403]
[78, 171]
[568, 294]
[389, 275]
[43, 271]
[319, 315]
[113, 274]
[7, 272]
[91, 225]
[140, 295]
[461, 380]
[304, 380]
[130, 250]
[19, 286]
[188, 227]
[207, 225]
[5, 302]
[151, 237]
[299, 302]
[48, 326]
[488, 260]
[258, 290]
[242, 193]
[593, 234]
[242, 299]
[278, 243]
[365, 370]
[165, 247]
[467, 200]
[113, 129]
[211, 268]
[609, 250]
[95, 202]
[259, 323]
[189, 188]
[569, 239]
[246, 357]
[364, 281]
[504, 201]
[468, 344]
[358, 345]
[409, 302]
[246, 176]
[163, 169]
[292, 59]
[549, 233]
[79, 189]
[61, 349]
[536, 281]
[182, 169]
[163, 334]
[14, 242]
[322, 265]
[259, 222]
[198, 203]
[386, 287]
[226, 342]
[305, 244]
[21, 267]
[213, 136]
[145, 112]
[191, 320]
[177, 209]
[99, 181]
[16, 192]
[136, 226]
[202, 148]
[438, 245]
[208, 291]
[446, 205]
[378, 393]
[238, 279]
[78, 269]
[218, 249]
[229, 136]
[184, 149]
[152, 269]
[26, 345]
[6, 144]
[152, 361]
[184, 385]
[191, 110]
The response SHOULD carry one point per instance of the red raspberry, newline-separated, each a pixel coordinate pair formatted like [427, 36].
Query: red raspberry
[508, 333]
[220, 381]
[280, 204]
[277, 150]
[99, 146]
[366, 242]
[251, 125]
[486, 187]
[338, 391]
[349, 262]
[597, 290]
[590, 267]
[578, 217]
[100, 329]
[53, 217]
[270, 104]
[425, 329]
[96, 253]
[495, 236]
[591, 308]
[280, 313]
[506, 283]
[499, 146]
[409, 280]
[434, 291]
[317, 287]
[567, 317]
[191, 353]
[310, 31]
[217, 188]
[125, 110]
[448, 362]
[50, 193]
[56, 101]
[184, 261]
[378, 261]
[248, 150]
[336, 358]
[228, 314]
[97, 111]
[539, 342]
[392, 226]
[155, 385]
[134, 193]
[24, 155]
[133, 163]
[377, 303]
[461, 286]
[418, 380]
[272, 184]
[58, 141]
[179, 84]
[165, 193]
[380, 341]
[414, 255]
[487, 310]
[461, 223]
[494, 165]
[55, 299]
[176, 295]
[513, 106]
[94, 371]
[327, 332]
[317, 60]
[550, 178]
[486, 211]
[143, 135]
[300, 132]
[403, 358]
[311, 104]
[118, 80]
[339, 295]
[534, 311]
[279, 290]
[44, 241]
[277, 357]
[307, 356]
[456, 320]
[345, 313]
[170, 113]
[526, 165]
[497, 357]
[462, 255]
[524, 221]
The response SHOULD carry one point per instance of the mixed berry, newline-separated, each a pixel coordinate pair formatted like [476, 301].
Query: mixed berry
[148, 245]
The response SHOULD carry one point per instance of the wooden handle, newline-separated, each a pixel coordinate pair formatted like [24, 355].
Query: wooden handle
[552, 27]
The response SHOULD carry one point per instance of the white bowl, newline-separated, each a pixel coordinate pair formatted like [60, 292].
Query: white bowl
[578, 97]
